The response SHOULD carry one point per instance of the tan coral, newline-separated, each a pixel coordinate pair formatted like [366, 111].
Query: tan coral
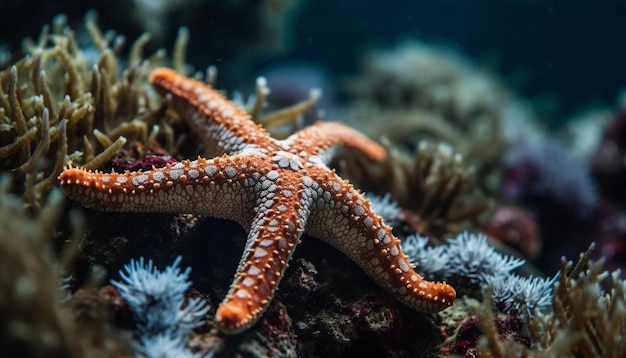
[57, 106]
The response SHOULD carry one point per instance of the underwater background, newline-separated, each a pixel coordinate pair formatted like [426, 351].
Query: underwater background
[505, 128]
[565, 55]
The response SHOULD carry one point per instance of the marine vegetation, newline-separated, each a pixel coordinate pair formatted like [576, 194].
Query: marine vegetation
[40, 318]
[157, 299]
[62, 103]
[154, 162]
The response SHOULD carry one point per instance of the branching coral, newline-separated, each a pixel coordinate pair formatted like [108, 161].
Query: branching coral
[435, 184]
[471, 258]
[521, 296]
[583, 319]
[280, 122]
[65, 102]
[157, 300]
[475, 268]
[35, 322]
[418, 91]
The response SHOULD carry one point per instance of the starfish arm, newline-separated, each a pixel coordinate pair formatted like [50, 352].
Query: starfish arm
[215, 187]
[342, 217]
[320, 140]
[223, 127]
[274, 234]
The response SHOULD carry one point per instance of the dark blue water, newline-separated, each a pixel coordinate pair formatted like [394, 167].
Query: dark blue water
[565, 55]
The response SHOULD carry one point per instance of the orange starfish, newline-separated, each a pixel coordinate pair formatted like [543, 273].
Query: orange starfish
[276, 188]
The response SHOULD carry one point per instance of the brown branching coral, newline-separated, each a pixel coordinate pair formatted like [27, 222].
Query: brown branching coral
[35, 322]
[435, 184]
[423, 92]
[59, 104]
[585, 320]
[62, 102]
[281, 122]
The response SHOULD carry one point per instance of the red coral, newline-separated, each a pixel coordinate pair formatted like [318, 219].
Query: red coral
[509, 328]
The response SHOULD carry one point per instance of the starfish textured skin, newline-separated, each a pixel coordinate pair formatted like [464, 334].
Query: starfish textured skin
[278, 189]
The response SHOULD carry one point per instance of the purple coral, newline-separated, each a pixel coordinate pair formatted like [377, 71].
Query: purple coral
[472, 265]
[546, 170]
[429, 261]
[522, 296]
[471, 257]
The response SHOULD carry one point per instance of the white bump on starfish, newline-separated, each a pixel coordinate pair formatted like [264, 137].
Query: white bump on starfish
[404, 266]
[211, 170]
[259, 252]
[158, 176]
[193, 173]
[316, 161]
[241, 293]
[253, 270]
[307, 181]
[230, 172]
[253, 150]
[248, 282]
[140, 179]
[272, 175]
[368, 221]
[287, 160]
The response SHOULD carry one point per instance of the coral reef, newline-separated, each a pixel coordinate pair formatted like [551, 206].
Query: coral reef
[474, 267]
[478, 195]
[585, 320]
